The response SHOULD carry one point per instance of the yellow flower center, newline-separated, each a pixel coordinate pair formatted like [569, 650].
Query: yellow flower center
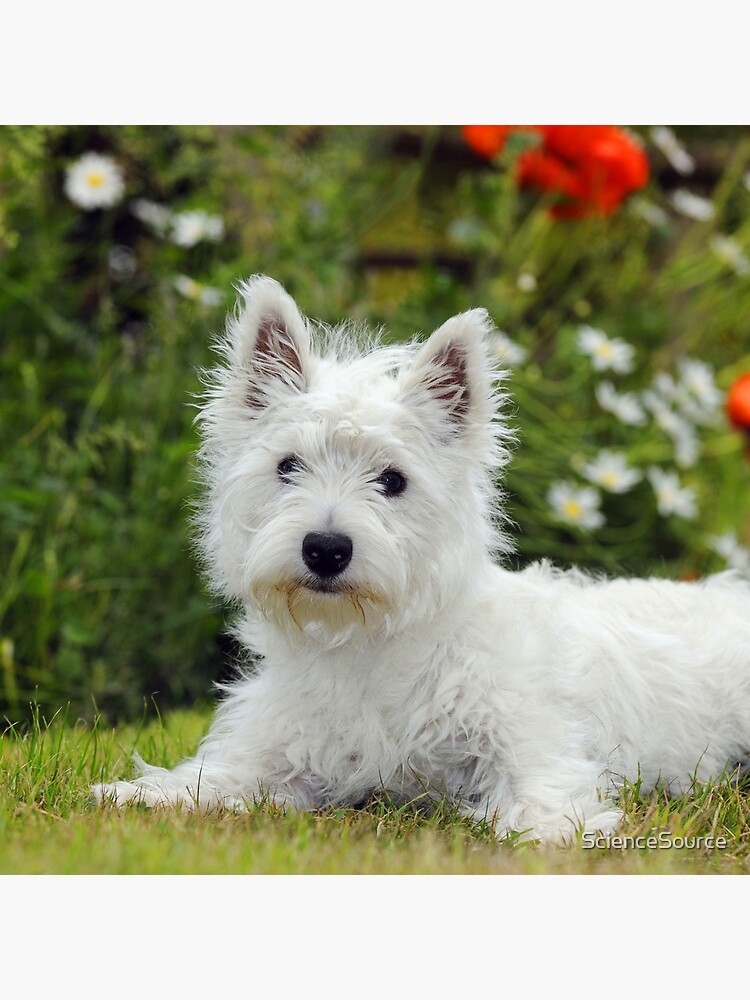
[610, 480]
[605, 350]
[572, 509]
[95, 179]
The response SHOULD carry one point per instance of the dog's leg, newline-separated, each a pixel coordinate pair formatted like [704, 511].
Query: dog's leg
[551, 804]
[226, 773]
[197, 783]
[547, 823]
[243, 759]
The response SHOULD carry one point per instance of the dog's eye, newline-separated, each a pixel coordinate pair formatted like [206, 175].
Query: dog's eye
[288, 466]
[392, 481]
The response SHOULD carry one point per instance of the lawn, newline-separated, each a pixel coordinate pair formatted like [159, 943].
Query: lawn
[49, 826]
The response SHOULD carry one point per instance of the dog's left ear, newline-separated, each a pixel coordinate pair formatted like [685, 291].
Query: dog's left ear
[450, 373]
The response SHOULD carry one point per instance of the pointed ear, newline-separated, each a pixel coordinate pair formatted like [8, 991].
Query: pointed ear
[269, 342]
[450, 377]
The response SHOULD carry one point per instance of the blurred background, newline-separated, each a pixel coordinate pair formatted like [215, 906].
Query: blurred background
[614, 261]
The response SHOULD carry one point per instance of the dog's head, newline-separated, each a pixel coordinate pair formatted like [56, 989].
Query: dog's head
[350, 485]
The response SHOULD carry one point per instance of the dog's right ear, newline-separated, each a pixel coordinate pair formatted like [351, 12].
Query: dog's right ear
[268, 343]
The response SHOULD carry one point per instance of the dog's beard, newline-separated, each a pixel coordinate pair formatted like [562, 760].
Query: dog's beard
[328, 614]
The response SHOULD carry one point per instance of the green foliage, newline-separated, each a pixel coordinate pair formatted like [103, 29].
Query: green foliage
[661, 286]
[100, 598]
[106, 321]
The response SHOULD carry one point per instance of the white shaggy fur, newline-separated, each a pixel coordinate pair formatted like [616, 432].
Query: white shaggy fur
[424, 667]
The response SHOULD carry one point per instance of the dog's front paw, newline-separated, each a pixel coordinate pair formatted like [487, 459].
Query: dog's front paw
[122, 793]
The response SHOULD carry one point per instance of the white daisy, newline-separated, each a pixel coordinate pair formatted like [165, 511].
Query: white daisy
[624, 405]
[658, 404]
[509, 352]
[526, 282]
[728, 547]
[189, 228]
[671, 498]
[667, 142]
[674, 424]
[653, 214]
[698, 397]
[575, 505]
[692, 205]
[665, 387]
[465, 231]
[605, 352]
[157, 217]
[94, 181]
[196, 291]
[678, 404]
[685, 442]
[611, 471]
[123, 263]
[730, 253]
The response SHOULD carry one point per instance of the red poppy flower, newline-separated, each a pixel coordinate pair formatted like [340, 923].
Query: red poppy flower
[593, 168]
[486, 140]
[738, 403]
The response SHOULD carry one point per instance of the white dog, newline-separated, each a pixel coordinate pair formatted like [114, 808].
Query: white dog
[351, 512]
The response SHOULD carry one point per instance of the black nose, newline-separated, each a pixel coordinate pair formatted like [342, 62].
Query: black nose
[326, 554]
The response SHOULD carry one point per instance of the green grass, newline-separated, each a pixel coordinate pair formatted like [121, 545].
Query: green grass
[49, 826]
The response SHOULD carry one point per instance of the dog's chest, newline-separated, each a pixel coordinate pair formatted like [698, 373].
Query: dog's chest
[354, 734]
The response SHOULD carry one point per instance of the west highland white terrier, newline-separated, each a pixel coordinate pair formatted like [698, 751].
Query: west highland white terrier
[352, 511]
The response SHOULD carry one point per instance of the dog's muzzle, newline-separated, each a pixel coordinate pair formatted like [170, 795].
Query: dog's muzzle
[326, 554]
